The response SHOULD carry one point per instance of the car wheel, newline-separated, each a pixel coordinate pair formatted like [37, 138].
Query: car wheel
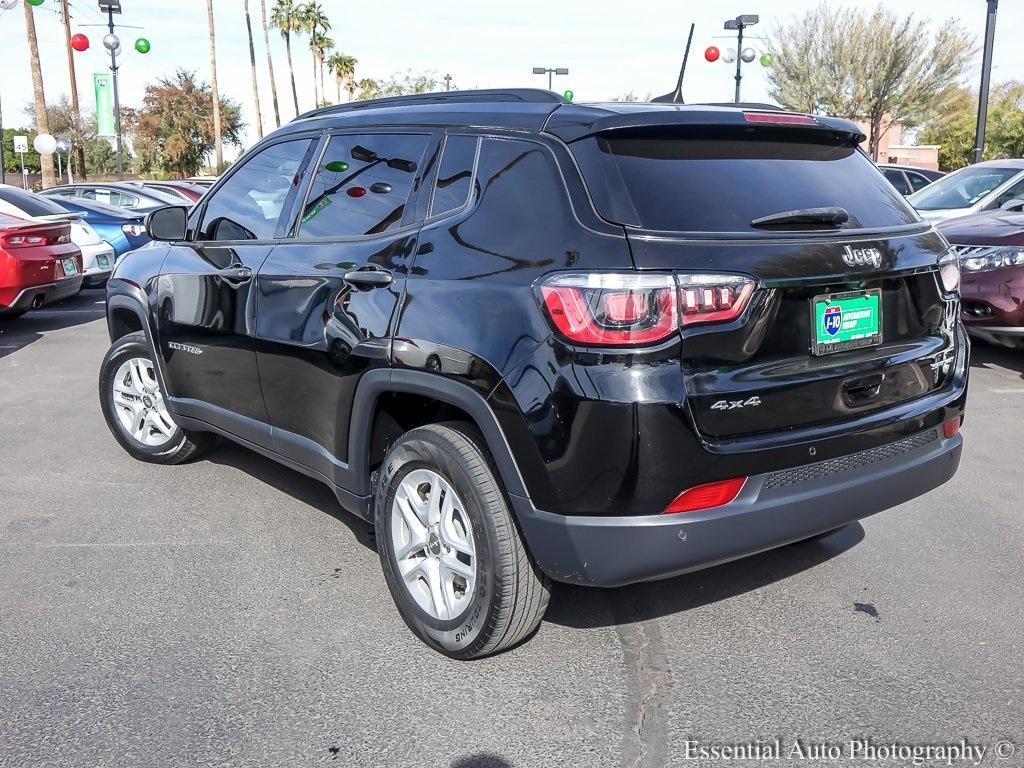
[134, 407]
[452, 557]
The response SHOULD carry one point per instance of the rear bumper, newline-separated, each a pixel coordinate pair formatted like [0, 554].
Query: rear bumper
[45, 294]
[772, 510]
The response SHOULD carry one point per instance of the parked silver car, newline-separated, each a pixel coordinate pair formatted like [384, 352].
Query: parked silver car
[986, 186]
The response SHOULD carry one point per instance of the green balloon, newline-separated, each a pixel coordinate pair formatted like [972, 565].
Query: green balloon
[142, 45]
[767, 59]
[337, 166]
[568, 95]
[35, 3]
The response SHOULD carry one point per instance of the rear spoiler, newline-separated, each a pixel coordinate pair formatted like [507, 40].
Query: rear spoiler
[68, 217]
[573, 124]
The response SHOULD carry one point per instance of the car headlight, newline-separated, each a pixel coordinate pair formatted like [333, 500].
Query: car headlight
[1011, 256]
[133, 230]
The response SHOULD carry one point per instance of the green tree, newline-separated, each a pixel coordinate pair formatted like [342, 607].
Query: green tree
[12, 160]
[173, 131]
[343, 67]
[286, 18]
[399, 84]
[952, 125]
[878, 67]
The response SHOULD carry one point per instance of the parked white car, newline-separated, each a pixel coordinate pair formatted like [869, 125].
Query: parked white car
[97, 255]
[986, 186]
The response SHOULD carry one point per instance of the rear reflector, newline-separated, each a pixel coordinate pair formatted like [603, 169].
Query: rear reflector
[706, 496]
[779, 118]
[951, 427]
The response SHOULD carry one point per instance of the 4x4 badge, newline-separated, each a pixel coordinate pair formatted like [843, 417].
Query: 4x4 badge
[862, 257]
[728, 405]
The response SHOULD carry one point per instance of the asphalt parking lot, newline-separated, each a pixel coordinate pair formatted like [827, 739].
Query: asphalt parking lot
[228, 613]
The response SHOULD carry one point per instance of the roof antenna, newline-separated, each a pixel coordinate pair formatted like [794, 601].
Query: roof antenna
[676, 97]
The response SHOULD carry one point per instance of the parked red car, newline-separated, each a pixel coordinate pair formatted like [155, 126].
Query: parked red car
[991, 250]
[38, 264]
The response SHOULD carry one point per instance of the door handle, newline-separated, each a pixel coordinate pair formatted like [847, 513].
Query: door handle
[235, 274]
[368, 278]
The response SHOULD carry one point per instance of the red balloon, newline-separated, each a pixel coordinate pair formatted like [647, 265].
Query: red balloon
[80, 42]
[712, 53]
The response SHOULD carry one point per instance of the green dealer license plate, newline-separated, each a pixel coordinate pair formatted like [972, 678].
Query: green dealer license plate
[844, 321]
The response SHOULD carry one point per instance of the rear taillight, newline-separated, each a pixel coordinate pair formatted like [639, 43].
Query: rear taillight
[623, 309]
[713, 298]
[706, 496]
[950, 427]
[30, 240]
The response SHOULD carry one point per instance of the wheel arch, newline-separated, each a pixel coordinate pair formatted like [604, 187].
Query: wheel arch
[381, 382]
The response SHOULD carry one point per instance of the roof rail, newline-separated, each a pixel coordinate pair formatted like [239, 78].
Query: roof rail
[524, 95]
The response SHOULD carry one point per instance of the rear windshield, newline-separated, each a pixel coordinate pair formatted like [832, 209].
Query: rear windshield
[32, 204]
[707, 181]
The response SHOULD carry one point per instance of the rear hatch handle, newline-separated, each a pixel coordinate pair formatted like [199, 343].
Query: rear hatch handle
[862, 390]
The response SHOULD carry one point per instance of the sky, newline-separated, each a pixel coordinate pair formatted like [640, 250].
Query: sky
[609, 48]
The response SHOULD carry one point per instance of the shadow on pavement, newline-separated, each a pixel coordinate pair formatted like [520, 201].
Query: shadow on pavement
[18, 332]
[481, 760]
[587, 607]
[985, 355]
[311, 492]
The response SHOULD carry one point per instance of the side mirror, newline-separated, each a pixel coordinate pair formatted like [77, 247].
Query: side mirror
[1015, 205]
[168, 223]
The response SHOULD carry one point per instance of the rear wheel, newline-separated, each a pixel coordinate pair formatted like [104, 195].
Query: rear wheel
[452, 557]
[134, 408]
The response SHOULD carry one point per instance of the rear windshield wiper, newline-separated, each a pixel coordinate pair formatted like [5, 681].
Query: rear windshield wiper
[830, 217]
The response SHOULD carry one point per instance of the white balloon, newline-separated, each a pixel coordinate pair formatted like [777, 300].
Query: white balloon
[748, 55]
[729, 56]
[63, 146]
[45, 144]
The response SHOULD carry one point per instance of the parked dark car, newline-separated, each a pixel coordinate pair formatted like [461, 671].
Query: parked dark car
[123, 230]
[532, 340]
[183, 190]
[39, 264]
[908, 179]
[991, 250]
[117, 194]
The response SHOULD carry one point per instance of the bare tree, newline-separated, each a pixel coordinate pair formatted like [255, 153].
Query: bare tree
[218, 147]
[252, 64]
[880, 68]
[270, 62]
[42, 122]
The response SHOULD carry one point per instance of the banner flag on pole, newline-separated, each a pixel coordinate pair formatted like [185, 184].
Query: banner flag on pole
[104, 104]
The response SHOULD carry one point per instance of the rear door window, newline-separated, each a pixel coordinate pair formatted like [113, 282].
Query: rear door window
[710, 180]
[918, 180]
[362, 184]
[454, 175]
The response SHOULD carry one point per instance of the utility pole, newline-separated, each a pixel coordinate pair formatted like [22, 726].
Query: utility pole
[739, 24]
[986, 76]
[80, 150]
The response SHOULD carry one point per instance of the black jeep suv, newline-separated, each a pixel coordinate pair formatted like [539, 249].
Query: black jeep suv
[533, 340]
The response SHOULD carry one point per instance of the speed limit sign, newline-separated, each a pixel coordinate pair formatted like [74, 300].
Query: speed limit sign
[21, 143]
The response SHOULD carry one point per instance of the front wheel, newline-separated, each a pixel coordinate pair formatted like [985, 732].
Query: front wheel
[452, 557]
[134, 408]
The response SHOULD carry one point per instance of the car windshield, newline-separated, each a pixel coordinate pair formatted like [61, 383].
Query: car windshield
[961, 189]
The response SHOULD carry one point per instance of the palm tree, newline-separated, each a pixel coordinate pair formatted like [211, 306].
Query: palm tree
[218, 146]
[252, 63]
[42, 123]
[270, 63]
[318, 25]
[286, 18]
[343, 67]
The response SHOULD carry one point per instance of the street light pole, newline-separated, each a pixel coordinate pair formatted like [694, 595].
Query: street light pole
[739, 24]
[986, 75]
[117, 96]
[550, 71]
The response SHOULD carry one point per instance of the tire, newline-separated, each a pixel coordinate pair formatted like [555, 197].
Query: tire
[508, 595]
[172, 445]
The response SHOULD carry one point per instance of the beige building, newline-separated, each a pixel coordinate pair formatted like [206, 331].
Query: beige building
[893, 151]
